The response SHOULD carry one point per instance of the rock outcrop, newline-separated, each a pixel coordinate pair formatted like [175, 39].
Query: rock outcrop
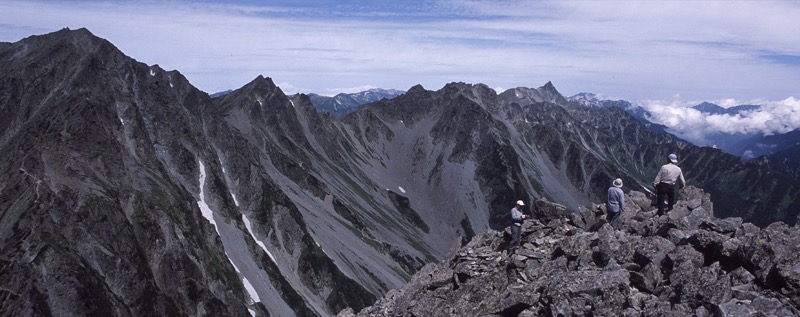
[684, 263]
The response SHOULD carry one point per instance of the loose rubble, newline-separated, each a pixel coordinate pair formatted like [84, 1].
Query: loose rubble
[685, 263]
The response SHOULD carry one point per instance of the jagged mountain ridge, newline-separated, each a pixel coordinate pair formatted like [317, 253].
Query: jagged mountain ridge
[98, 141]
[585, 147]
[441, 133]
[313, 213]
[591, 100]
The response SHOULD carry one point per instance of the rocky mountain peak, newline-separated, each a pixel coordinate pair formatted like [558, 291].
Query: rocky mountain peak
[255, 95]
[416, 89]
[81, 35]
[548, 86]
[680, 264]
[478, 93]
[455, 88]
[64, 46]
[550, 92]
[261, 86]
[546, 93]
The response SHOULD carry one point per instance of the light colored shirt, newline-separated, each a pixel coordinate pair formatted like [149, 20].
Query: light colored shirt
[516, 216]
[616, 199]
[669, 173]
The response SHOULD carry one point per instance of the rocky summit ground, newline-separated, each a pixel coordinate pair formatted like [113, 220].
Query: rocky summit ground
[685, 263]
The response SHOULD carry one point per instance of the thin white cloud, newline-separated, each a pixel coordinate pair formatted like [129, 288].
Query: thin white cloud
[290, 89]
[635, 50]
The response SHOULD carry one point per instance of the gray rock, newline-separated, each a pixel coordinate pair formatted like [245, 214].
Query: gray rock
[734, 309]
[611, 272]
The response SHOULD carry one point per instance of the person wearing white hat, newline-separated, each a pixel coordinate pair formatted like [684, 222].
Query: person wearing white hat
[667, 177]
[517, 217]
[616, 202]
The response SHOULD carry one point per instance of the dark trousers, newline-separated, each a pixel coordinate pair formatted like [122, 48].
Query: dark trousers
[666, 196]
[613, 218]
[515, 230]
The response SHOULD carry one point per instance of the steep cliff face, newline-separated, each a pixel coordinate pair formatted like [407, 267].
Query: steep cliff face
[685, 263]
[130, 192]
[100, 203]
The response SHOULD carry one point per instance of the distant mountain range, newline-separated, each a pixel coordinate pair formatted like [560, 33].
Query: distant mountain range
[710, 108]
[590, 100]
[343, 103]
[748, 146]
[764, 145]
[779, 152]
[129, 192]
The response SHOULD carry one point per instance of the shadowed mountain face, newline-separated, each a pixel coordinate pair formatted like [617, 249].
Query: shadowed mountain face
[100, 204]
[786, 162]
[764, 145]
[130, 192]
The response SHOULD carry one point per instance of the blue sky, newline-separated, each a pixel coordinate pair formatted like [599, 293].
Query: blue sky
[674, 53]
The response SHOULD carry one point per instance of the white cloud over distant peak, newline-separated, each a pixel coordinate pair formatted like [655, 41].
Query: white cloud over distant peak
[773, 117]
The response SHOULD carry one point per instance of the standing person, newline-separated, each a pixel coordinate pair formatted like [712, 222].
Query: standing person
[665, 182]
[516, 225]
[616, 202]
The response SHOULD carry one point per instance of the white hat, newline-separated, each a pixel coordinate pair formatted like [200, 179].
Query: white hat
[519, 202]
[618, 182]
[673, 158]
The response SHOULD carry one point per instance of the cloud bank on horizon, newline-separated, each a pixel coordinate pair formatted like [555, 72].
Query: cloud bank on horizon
[642, 51]
[773, 117]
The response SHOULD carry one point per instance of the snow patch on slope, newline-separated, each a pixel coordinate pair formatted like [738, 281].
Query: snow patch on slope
[249, 227]
[235, 201]
[204, 208]
[209, 215]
